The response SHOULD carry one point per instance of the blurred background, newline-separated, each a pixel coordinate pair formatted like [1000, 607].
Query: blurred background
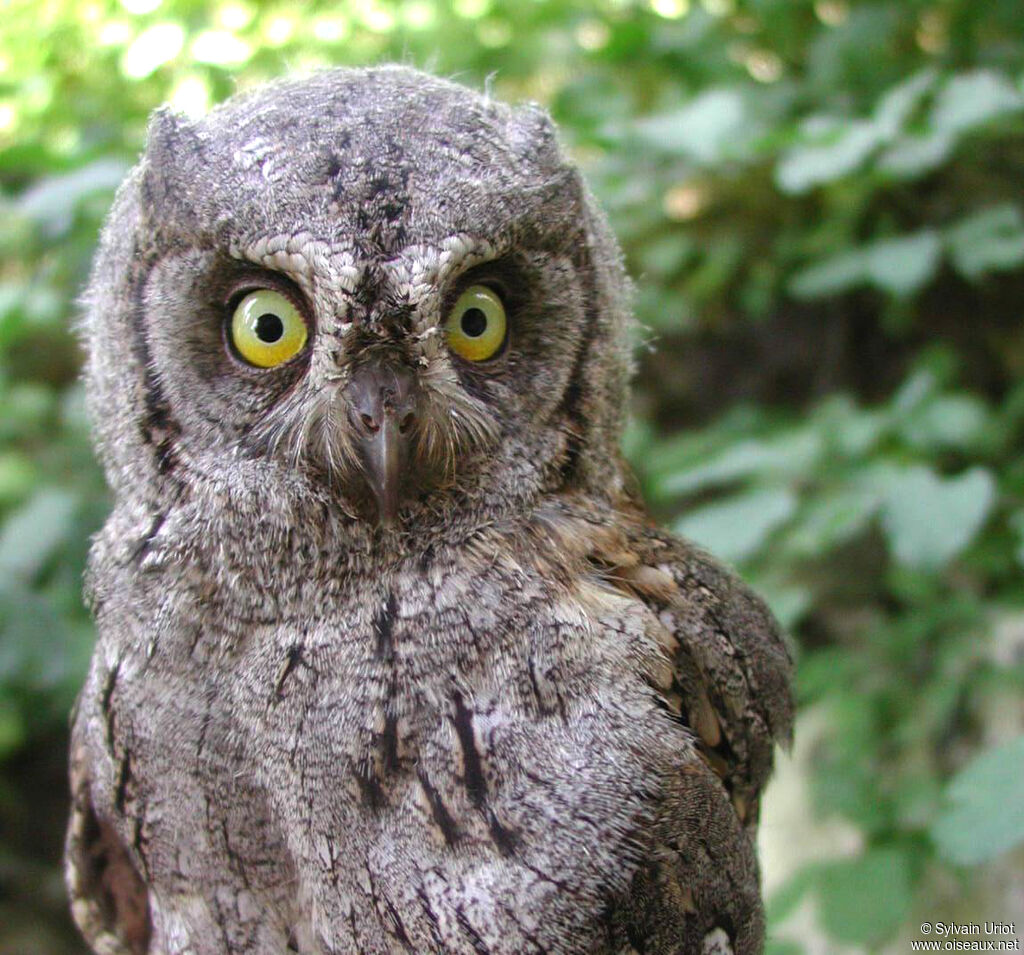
[822, 204]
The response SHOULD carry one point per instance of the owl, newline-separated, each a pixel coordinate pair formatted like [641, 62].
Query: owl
[390, 656]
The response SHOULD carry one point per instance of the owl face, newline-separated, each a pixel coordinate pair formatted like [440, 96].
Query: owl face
[370, 286]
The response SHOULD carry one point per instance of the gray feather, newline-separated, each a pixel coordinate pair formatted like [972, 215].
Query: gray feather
[517, 719]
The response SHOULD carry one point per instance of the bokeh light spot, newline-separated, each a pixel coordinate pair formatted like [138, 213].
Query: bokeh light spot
[220, 48]
[151, 49]
[670, 9]
[191, 96]
[140, 8]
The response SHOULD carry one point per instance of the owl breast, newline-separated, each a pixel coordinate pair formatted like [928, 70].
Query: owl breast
[431, 757]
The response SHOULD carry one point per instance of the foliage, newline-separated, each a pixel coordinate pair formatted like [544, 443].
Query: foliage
[987, 812]
[820, 203]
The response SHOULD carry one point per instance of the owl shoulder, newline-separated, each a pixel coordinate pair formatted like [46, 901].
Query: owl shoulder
[731, 668]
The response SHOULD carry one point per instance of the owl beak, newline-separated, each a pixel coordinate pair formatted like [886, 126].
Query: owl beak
[382, 411]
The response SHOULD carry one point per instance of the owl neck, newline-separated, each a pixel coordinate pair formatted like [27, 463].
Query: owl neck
[219, 530]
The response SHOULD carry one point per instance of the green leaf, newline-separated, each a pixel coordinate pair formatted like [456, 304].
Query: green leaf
[702, 130]
[793, 453]
[973, 98]
[864, 900]
[831, 276]
[900, 266]
[736, 528]
[850, 431]
[949, 422]
[807, 166]
[663, 309]
[41, 648]
[928, 519]
[31, 535]
[914, 155]
[664, 255]
[904, 265]
[52, 201]
[787, 602]
[985, 814]
[988, 241]
[898, 104]
[831, 521]
[919, 387]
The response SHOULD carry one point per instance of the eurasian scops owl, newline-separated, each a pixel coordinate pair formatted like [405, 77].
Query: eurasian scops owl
[390, 656]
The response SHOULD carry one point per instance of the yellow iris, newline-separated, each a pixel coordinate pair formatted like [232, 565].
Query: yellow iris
[267, 329]
[475, 327]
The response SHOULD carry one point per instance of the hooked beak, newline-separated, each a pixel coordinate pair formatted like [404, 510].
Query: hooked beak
[382, 410]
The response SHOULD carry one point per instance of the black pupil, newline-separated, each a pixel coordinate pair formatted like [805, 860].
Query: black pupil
[269, 328]
[474, 322]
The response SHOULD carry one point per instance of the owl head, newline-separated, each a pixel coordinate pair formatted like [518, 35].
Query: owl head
[370, 290]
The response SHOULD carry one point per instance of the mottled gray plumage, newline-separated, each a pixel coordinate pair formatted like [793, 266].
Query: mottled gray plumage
[519, 717]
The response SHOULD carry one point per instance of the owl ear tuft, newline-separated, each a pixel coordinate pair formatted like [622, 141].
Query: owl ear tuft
[532, 134]
[173, 152]
[170, 134]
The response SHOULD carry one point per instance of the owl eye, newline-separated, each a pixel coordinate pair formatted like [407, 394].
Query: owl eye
[267, 329]
[476, 326]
